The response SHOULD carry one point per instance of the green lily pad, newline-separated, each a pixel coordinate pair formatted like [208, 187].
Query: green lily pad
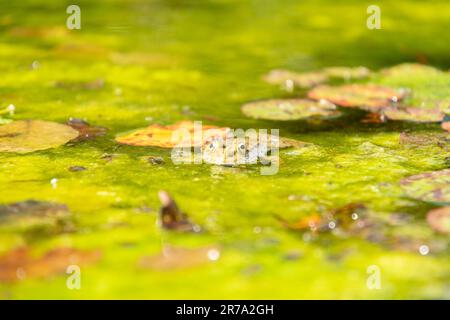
[413, 114]
[430, 87]
[429, 186]
[347, 73]
[290, 78]
[412, 69]
[32, 135]
[365, 96]
[289, 109]
[439, 219]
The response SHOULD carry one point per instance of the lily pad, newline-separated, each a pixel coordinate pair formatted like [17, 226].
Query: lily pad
[347, 73]
[289, 109]
[33, 135]
[20, 264]
[439, 219]
[163, 136]
[413, 114]
[429, 87]
[365, 96]
[429, 186]
[412, 69]
[301, 80]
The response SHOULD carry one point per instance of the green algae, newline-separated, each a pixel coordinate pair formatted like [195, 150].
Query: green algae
[161, 62]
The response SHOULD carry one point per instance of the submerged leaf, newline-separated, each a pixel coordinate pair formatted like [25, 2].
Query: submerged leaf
[365, 96]
[166, 137]
[171, 217]
[439, 219]
[429, 186]
[33, 135]
[20, 264]
[173, 258]
[289, 109]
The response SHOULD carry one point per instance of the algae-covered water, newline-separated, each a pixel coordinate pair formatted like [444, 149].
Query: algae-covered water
[135, 63]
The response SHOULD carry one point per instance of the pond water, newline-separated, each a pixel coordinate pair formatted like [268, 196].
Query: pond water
[135, 63]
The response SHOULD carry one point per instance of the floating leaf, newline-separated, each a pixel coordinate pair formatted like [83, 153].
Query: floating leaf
[171, 217]
[413, 114]
[365, 96]
[32, 135]
[289, 109]
[20, 264]
[429, 186]
[173, 258]
[86, 131]
[409, 69]
[429, 86]
[164, 137]
[290, 78]
[439, 219]
[347, 73]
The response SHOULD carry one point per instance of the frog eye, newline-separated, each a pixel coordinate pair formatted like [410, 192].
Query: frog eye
[241, 146]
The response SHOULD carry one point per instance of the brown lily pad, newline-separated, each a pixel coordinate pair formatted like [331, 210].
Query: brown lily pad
[439, 219]
[33, 135]
[85, 130]
[429, 186]
[171, 218]
[20, 263]
[413, 114]
[290, 78]
[289, 109]
[365, 96]
[166, 136]
[174, 258]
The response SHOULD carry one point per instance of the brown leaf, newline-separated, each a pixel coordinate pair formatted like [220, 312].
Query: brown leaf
[365, 96]
[33, 135]
[163, 136]
[19, 263]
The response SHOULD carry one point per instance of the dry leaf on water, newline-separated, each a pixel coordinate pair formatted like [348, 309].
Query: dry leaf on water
[365, 96]
[33, 135]
[163, 136]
